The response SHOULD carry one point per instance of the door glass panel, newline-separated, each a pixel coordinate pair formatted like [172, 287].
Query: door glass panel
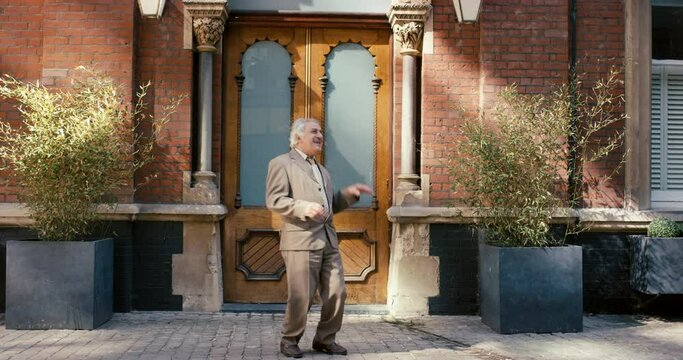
[349, 117]
[265, 115]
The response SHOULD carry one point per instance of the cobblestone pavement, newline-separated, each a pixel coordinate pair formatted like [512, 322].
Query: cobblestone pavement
[178, 335]
[604, 337]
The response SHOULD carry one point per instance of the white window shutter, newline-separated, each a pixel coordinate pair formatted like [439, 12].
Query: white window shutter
[674, 129]
[666, 142]
[656, 130]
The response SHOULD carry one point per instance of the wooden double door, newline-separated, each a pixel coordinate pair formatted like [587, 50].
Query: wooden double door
[275, 75]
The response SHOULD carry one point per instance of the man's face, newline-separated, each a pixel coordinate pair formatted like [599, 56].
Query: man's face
[311, 141]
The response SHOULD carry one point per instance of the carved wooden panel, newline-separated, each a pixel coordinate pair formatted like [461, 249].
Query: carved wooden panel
[258, 255]
[358, 254]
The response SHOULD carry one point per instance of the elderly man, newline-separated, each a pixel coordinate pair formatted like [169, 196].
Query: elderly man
[301, 191]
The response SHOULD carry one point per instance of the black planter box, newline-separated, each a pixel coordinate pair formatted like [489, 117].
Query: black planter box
[538, 290]
[59, 285]
[656, 264]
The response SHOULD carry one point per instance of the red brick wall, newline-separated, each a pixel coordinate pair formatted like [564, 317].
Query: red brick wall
[21, 42]
[600, 44]
[161, 60]
[95, 33]
[21, 38]
[43, 40]
[450, 85]
[524, 42]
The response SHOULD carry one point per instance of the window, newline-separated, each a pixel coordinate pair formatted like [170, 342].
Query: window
[666, 126]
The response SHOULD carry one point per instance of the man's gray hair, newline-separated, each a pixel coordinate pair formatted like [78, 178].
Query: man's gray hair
[298, 129]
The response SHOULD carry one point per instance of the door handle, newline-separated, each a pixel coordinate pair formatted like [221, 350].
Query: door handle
[238, 200]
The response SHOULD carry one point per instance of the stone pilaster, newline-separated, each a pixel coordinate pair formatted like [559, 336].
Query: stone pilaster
[208, 24]
[413, 274]
[407, 19]
[197, 273]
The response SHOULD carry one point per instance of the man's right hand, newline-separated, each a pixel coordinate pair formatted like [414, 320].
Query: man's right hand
[314, 211]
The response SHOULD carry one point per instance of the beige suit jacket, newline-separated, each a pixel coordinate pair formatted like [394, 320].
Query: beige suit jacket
[290, 186]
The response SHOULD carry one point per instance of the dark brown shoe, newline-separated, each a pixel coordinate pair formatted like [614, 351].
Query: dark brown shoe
[332, 349]
[292, 351]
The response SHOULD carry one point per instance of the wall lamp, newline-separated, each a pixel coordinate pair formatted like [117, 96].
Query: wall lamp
[151, 8]
[467, 10]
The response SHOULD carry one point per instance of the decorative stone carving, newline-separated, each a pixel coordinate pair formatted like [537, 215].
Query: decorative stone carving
[207, 31]
[208, 22]
[407, 19]
[414, 240]
[409, 35]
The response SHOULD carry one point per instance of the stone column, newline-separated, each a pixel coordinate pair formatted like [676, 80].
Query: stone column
[413, 273]
[208, 24]
[197, 273]
[407, 19]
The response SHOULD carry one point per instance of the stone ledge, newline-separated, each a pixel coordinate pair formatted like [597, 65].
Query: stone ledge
[598, 219]
[17, 214]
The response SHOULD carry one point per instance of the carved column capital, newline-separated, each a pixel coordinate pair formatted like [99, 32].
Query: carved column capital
[409, 35]
[208, 22]
[407, 18]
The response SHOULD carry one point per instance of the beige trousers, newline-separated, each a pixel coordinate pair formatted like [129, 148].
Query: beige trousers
[307, 271]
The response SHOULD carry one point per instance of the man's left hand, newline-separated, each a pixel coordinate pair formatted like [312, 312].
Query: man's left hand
[357, 189]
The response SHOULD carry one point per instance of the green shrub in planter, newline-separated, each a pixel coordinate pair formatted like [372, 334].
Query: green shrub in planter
[511, 164]
[75, 147]
[517, 167]
[656, 266]
[663, 228]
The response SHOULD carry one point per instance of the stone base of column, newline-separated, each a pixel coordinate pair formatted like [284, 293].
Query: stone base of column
[197, 273]
[204, 191]
[408, 182]
[410, 194]
[413, 274]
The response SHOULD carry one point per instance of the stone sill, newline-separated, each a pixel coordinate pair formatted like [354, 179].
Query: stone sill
[15, 214]
[597, 219]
